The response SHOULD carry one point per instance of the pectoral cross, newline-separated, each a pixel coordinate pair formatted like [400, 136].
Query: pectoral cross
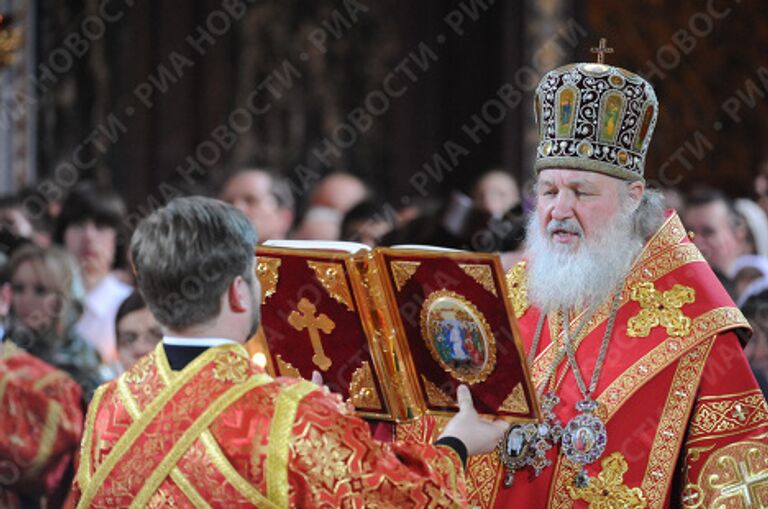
[305, 318]
[601, 50]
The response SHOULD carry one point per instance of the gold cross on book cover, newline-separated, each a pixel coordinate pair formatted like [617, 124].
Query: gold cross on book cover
[395, 331]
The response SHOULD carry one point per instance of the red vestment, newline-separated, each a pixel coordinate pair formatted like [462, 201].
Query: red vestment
[41, 421]
[222, 433]
[685, 419]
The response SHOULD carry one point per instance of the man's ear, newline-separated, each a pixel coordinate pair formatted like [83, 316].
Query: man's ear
[237, 295]
[636, 190]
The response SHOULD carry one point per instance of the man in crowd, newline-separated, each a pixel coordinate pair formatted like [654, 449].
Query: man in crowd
[265, 198]
[196, 422]
[634, 346]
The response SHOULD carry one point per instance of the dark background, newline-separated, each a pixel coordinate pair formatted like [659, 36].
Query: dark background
[694, 83]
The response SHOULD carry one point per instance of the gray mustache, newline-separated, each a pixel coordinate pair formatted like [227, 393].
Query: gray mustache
[566, 226]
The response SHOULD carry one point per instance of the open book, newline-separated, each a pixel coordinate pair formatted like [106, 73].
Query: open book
[394, 330]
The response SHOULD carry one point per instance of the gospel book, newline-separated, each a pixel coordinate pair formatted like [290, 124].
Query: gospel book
[394, 330]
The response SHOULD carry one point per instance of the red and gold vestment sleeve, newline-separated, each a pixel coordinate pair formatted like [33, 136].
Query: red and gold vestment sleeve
[41, 422]
[726, 449]
[334, 462]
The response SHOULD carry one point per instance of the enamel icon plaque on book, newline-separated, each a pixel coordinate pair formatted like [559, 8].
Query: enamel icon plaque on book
[395, 331]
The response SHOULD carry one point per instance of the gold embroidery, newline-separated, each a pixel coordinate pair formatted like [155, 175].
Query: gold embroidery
[607, 490]
[483, 475]
[9, 348]
[736, 476]
[435, 396]
[482, 274]
[136, 428]
[193, 433]
[333, 278]
[706, 325]
[729, 413]
[671, 427]
[49, 379]
[660, 308]
[305, 318]
[189, 491]
[267, 272]
[230, 367]
[362, 390]
[286, 368]
[402, 272]
[280, 432]
[518, 288]
[244, 487]
[86, 449]
[515, 401]
[47, 438]
[325, 455]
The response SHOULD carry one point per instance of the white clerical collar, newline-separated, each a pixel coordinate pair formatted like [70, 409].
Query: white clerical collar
[200, 342]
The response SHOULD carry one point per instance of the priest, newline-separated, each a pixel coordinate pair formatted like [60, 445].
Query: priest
[634, 346]
[196, 424]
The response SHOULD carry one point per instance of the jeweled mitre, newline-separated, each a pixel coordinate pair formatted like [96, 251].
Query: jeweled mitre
[595, 117]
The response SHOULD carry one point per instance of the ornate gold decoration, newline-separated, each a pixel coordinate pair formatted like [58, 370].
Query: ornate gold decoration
[518, 288]
[267, 272]
[736, 476]
[660, 308]
[305, 318]
[331, 276]
[230, 367]
[285, 368]
[672, 424]
[362, 390]
[607, 490]
[435, 396]
[468, 353]
[665, 353]
[482, 274]
[515, 401]
[402, 272]
[727, 413]
[10, 40]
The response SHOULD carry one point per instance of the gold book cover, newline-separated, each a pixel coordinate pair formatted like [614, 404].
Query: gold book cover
[394, 330]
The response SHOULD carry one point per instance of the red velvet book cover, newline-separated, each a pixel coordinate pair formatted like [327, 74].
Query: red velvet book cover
[395, 331]
[455, 325]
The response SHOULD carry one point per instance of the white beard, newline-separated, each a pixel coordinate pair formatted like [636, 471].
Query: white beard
[561, 279]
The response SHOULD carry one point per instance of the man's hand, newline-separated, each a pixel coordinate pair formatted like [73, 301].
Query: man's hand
[479, 435]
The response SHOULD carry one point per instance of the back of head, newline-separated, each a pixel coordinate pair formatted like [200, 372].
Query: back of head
[186, 254]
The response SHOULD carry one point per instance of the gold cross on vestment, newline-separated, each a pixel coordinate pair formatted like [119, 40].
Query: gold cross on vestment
[305, 318]
[601, 50]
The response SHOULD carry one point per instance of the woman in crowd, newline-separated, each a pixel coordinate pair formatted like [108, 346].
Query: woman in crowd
[44, 313]
[137, 330]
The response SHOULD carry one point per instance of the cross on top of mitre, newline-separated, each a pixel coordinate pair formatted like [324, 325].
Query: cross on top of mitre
[601, 50]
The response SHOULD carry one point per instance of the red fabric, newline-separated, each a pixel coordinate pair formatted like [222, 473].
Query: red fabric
[34, 394]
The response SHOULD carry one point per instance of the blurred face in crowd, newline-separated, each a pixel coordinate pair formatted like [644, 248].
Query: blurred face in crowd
[137, 335]
[580, 241]
[496, 193]
[35, 300]
[250, 192]
[718, 239]
[94, 247]
[339, 191]
[14, 220]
